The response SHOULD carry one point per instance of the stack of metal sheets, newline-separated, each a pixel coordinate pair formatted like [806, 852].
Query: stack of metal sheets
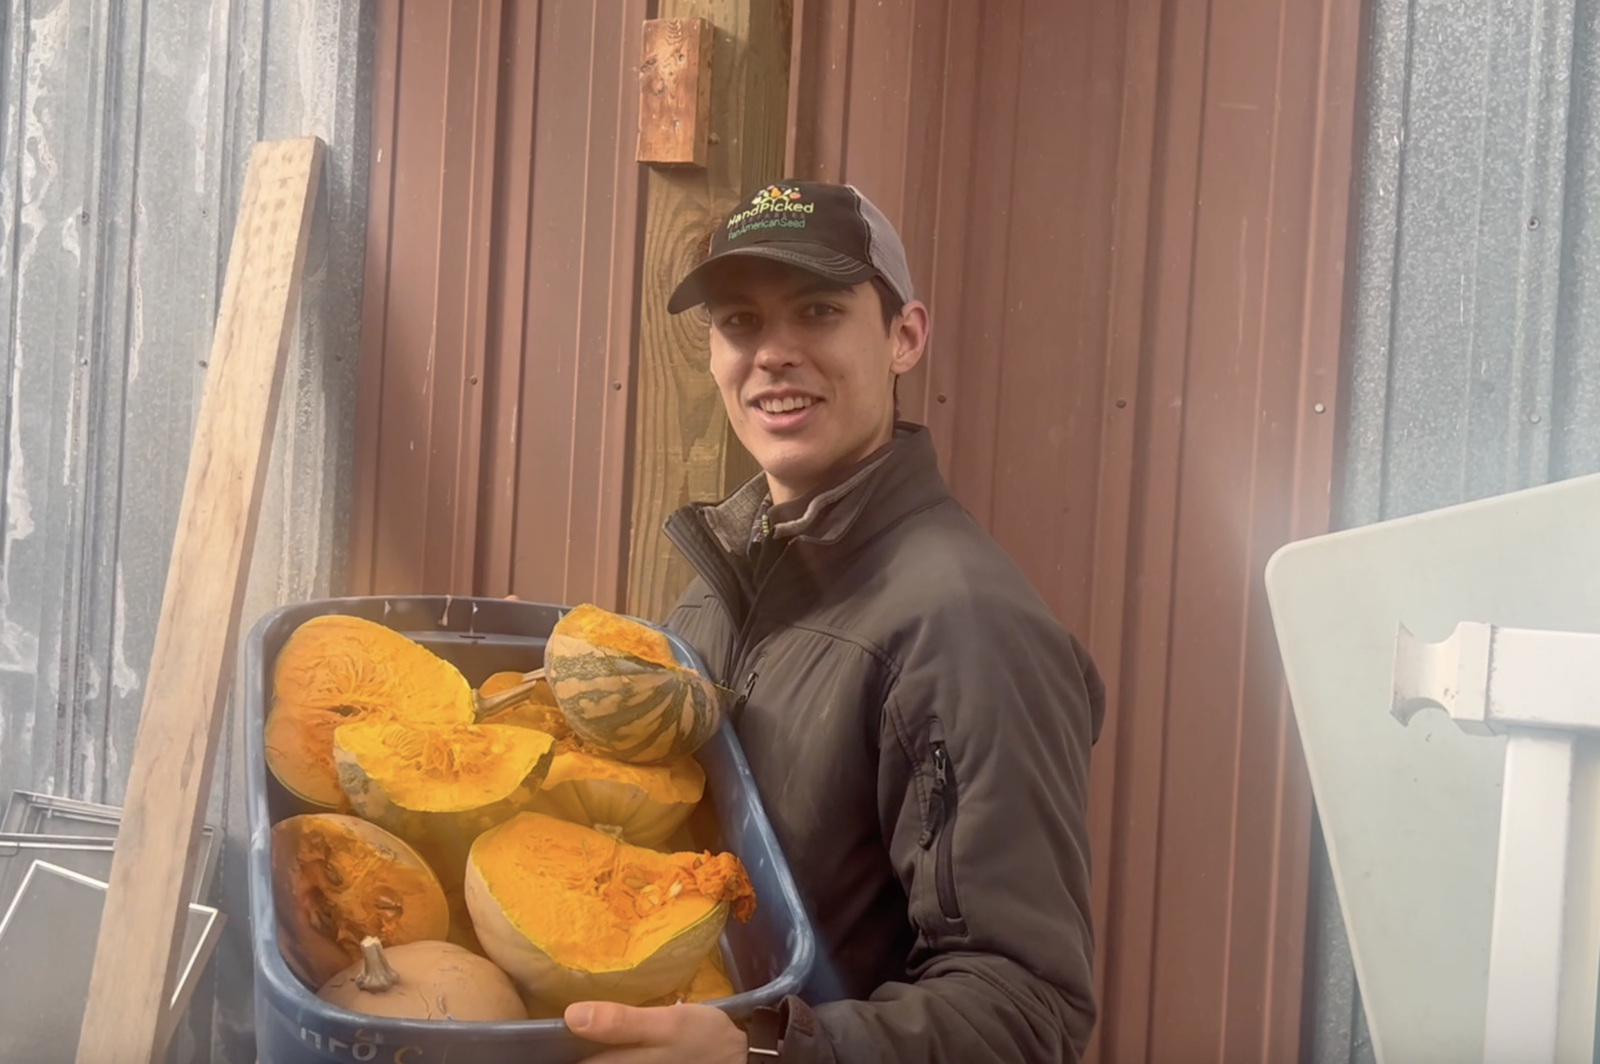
[55, 862]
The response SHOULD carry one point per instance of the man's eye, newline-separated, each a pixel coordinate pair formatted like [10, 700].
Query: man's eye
[739, 319]
[820, 310]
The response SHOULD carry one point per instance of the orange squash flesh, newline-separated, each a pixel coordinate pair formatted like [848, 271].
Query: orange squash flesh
[338, 879]
[437, 768]
[439, 786]
[571, 913]
[336, 669]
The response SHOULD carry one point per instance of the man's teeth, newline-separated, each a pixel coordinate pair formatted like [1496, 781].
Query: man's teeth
[783, 406]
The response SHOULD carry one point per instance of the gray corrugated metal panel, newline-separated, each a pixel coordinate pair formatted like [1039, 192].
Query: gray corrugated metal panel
[126, 130]
[1575, 448]
[1460, 270]
[49, 318]
[1475, 336]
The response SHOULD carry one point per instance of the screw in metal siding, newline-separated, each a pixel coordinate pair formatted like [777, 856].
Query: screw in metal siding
[472, 379]
[1319, 408]
[1535, 418]
[616, 386]
[1533, 223]
[941, 397]
[1121, 403]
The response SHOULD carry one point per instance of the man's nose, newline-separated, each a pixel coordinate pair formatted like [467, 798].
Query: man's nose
[777, 350]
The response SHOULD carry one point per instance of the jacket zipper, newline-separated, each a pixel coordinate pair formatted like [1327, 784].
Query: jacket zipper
[940, 826]
[695, 541]
[744, 696]
[741, 646]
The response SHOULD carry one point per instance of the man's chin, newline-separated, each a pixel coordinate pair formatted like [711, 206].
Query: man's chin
[791, 470]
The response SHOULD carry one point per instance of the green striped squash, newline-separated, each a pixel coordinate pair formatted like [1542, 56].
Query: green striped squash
[623, 691]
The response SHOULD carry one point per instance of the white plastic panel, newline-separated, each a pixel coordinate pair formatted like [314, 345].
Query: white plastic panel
[1411, 814]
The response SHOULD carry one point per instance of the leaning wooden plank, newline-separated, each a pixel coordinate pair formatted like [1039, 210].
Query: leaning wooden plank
[191, 667]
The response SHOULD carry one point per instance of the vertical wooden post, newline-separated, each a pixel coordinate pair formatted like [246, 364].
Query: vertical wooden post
[683, 448]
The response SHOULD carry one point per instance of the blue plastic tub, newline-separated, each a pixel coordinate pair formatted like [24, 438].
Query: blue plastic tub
[766, 958]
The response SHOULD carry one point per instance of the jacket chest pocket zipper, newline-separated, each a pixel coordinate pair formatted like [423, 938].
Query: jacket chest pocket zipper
[744, 696]
[939, 827]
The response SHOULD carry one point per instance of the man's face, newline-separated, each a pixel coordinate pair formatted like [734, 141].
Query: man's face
[806, 369]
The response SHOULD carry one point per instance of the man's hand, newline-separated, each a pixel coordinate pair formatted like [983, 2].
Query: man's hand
[672, 1034]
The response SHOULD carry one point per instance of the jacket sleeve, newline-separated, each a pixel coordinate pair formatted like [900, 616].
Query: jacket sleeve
[983, 783]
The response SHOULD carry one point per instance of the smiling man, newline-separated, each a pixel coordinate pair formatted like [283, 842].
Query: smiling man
[917, 721]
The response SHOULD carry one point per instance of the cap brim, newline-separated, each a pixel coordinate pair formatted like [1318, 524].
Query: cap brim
[829, 265]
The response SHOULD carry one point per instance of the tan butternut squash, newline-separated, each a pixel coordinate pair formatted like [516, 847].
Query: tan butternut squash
[427, 980]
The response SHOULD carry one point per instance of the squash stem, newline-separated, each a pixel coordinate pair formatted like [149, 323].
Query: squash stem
[500, 699]
[376, 974]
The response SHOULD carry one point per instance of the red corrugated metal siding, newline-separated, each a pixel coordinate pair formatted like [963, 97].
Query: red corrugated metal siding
[499, 323]
[422, 342]
[1129, 219]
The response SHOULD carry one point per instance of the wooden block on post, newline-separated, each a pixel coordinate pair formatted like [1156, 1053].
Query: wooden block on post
[675, 92]
[683, 447]
[191, 669]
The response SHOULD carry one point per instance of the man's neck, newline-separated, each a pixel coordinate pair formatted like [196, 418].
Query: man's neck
[782, 494]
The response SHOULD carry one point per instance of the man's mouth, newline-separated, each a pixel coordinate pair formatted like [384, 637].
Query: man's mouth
[785, 404]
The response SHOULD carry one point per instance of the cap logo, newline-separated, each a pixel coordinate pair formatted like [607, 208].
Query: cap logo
[774, 207]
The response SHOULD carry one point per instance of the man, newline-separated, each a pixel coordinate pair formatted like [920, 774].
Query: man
[917, 722]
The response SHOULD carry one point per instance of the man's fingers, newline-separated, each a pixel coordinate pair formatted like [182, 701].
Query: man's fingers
[614, 1024]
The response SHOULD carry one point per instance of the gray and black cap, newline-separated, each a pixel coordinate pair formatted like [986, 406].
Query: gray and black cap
[830, 230]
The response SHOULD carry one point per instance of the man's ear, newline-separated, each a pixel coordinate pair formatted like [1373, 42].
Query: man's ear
[910, 336]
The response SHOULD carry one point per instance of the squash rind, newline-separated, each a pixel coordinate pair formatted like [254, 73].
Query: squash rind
[576, 790]
[631, 707]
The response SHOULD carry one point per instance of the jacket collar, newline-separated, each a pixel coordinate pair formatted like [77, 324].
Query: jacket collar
[899, 479]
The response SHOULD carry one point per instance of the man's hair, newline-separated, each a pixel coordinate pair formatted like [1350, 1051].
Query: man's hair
[888, 301]
[891, 305]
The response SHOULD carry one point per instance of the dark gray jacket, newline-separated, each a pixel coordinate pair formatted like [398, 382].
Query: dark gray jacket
[919, 727]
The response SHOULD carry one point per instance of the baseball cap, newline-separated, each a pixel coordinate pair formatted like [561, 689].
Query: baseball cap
[833, 231]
